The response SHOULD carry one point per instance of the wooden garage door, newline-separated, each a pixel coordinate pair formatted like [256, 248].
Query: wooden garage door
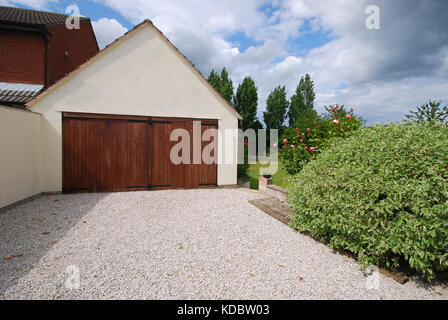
[104, 153]
[208, 173]
[165, 174]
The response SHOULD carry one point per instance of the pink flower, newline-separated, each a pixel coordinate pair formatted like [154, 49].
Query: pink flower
[348, 116]
[293, 146]
[312, 149]
[246, 144]
[336, 121]
[285, 141]
[297, 128]
[303, 134]
[335, 108]
[301, 140]
[306, 148]
[315, 122]
[275, 145]
[308, 129]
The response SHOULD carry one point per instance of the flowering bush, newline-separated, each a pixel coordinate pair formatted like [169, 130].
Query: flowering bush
[381, 194]
[304, 145]
[340, 122]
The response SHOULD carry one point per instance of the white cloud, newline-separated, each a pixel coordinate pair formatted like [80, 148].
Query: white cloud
[390, 101]
[388, 71]
[383, 73]
[35, 4]
[107, 30]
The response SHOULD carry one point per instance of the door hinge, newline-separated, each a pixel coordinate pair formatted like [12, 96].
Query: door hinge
[162, 122]
[150, 186]
[136, 120]
[139, 187]
[65, 189]
[74, 118]
[209, 124]
[149, 121]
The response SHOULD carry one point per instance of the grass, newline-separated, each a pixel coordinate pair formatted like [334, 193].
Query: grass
[281, 178]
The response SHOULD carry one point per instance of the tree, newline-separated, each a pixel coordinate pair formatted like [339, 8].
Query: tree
[258, 125]
[276, 108]
[301, 110]
[430, 112]
[222, 83]
[246, 102]
[226, 86]
[214, 79]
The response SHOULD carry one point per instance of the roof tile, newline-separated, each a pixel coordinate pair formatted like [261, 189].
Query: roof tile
[31, 17]
[17, 93]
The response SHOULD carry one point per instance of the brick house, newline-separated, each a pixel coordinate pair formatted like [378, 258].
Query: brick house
[36, 50]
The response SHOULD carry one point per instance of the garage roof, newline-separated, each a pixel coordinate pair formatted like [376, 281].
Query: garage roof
[18, 93]
[117, 42]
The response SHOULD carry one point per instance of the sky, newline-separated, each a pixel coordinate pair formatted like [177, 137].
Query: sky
[382, 73]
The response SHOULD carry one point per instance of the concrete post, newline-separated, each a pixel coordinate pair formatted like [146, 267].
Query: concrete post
[264, 183]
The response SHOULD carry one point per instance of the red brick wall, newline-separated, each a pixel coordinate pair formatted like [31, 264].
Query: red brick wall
[22, 57]
[80, 44]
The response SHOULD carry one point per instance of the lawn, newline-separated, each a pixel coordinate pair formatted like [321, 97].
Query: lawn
[281, 178]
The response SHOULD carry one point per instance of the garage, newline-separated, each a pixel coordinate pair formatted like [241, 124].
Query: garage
[114, 153]
[106, 126]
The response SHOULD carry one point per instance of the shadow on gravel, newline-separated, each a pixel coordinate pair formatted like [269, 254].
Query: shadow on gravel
[30, 230]
[440, 280]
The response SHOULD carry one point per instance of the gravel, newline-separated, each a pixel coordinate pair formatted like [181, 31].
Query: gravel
[181, 244]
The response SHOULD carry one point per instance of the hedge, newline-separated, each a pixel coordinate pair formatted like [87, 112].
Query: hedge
[381, 194]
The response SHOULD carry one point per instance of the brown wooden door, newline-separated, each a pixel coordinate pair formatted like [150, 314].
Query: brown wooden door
[77, 145]
[118, 153]
[166, 174]
[161, 167]
[208, 172]
[105, 155]
[128, 157]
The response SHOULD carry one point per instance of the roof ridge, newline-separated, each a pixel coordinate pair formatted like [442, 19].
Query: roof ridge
[32, 10]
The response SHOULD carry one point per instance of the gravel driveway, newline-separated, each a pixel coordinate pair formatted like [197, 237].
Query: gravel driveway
[195, 244]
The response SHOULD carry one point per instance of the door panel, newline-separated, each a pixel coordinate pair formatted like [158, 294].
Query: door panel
[176, 172]
[127, 159]
[96, 157]
[160, 155]
[208, 172]
[76, 147]
[105, 155]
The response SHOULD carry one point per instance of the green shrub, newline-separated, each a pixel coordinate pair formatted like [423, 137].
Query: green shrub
[243, 168]
[381, 194]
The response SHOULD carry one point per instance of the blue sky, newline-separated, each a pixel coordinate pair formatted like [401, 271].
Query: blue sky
[242, 42]
[91, 9]
[298, 46]
[381, 73]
